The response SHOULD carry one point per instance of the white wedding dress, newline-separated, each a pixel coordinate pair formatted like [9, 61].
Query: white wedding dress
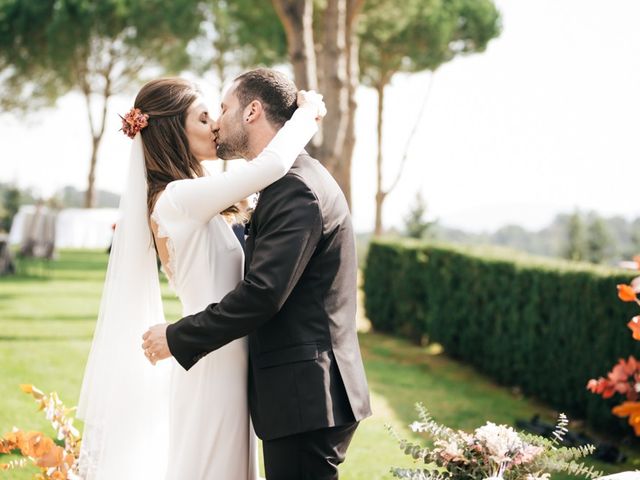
[210, 436]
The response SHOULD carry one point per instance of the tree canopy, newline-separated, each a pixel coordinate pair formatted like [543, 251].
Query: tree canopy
[50, 47]
[98, 48]
[422, 35]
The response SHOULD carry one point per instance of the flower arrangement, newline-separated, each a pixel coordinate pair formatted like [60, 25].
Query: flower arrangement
[134, 121]
[54, 461]
[624, 378]
[490, 452]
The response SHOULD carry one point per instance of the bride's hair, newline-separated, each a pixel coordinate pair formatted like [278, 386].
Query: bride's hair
[167, 156]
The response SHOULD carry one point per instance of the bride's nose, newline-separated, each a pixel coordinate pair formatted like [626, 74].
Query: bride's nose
[213, 124]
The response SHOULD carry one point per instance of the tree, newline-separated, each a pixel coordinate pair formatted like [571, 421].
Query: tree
[634, 248]
[97, 48]
[237, 34]
[422, 35]
[323, 50]
[415, 224]
[576, 246]
[600, 245]
[11, 200]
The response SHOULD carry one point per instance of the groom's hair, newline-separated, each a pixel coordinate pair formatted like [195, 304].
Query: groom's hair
[273, 89]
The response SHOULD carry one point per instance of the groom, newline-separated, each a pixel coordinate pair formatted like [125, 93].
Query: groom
[297, 302]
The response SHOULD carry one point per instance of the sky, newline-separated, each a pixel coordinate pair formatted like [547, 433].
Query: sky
[545, 121]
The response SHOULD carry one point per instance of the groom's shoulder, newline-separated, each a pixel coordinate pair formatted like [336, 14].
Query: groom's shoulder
[306, 175]
[296, 180]
[310, 170]
[299, 174]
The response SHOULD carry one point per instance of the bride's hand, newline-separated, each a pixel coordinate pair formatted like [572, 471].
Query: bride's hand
[313, 100]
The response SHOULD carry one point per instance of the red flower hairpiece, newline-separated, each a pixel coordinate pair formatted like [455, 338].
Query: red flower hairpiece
[133, 122]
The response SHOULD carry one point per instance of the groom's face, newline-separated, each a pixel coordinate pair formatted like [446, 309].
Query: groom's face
[232, 137]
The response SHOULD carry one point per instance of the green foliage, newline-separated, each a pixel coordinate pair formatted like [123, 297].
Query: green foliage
[599, 241]
[422, 35]
[415, 224]
[47, 317]
[259, 36]
[576, 248]
[565, 237]
[11, 200]
[489, 449]
[238, 34]
[634, 247]
[50, 47]
[543, 326]
[590, 239]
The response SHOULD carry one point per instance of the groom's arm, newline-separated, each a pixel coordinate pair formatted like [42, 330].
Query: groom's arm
[289, 229]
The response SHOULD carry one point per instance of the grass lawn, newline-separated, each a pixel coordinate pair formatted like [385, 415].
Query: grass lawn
[47, 315]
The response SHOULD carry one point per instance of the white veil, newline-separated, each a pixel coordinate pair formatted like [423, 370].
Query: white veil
[124, 399]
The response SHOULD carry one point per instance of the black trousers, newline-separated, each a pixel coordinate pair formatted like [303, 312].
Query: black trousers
[311, 455]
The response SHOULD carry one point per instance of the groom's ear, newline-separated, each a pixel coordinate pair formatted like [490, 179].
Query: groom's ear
[253, 112]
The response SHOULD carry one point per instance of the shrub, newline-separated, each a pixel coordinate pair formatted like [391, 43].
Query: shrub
[542, 325]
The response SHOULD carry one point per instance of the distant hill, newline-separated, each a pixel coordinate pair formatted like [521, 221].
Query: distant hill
[71, 197]
[551, 241]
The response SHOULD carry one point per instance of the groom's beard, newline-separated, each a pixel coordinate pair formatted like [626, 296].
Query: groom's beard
[235, 145]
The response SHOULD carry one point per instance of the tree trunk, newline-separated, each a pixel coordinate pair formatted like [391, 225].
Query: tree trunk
[337, 49]
[335, 88]
[90, 195]
[297, 18]
[97, 131]
[343, 171]
[380, 194]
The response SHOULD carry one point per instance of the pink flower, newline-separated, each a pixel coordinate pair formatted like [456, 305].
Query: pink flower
[528, 454]
[133, 122]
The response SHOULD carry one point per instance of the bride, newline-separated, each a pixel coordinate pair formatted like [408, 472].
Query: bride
[153, 422]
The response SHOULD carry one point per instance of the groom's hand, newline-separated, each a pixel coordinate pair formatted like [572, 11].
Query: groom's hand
[155, 344]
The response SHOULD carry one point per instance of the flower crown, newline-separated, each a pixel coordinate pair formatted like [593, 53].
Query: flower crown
[134, 121]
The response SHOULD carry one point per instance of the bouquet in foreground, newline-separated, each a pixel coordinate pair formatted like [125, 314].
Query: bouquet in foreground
[55, 462]
[490, 452]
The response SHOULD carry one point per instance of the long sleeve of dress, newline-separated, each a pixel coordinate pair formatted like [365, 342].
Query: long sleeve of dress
[200, 199]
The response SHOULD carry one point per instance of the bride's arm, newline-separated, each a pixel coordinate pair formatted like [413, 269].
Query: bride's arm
[203, 198]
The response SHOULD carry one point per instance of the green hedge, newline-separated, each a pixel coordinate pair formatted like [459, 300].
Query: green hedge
[544, 326]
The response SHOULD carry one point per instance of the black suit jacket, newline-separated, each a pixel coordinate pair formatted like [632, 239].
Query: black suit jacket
[297, 303]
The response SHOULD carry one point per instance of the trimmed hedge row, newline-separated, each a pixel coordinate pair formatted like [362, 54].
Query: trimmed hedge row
[544, 326]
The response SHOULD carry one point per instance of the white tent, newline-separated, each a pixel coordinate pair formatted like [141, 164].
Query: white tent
[74, 227]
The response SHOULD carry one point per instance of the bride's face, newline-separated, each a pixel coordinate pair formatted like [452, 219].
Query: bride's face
[200, 127]
[232, 137]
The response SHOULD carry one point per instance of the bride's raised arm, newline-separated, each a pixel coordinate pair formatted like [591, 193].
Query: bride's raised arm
[202, 198]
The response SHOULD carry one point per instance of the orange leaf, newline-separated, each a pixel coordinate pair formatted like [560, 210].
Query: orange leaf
[35, 444]
[626, 408]
[634, 325]
[632, 410]
[626, 293]
[53, 457]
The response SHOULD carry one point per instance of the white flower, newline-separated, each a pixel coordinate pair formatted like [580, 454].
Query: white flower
[543, 476]
[500, 441]
[450, 451]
